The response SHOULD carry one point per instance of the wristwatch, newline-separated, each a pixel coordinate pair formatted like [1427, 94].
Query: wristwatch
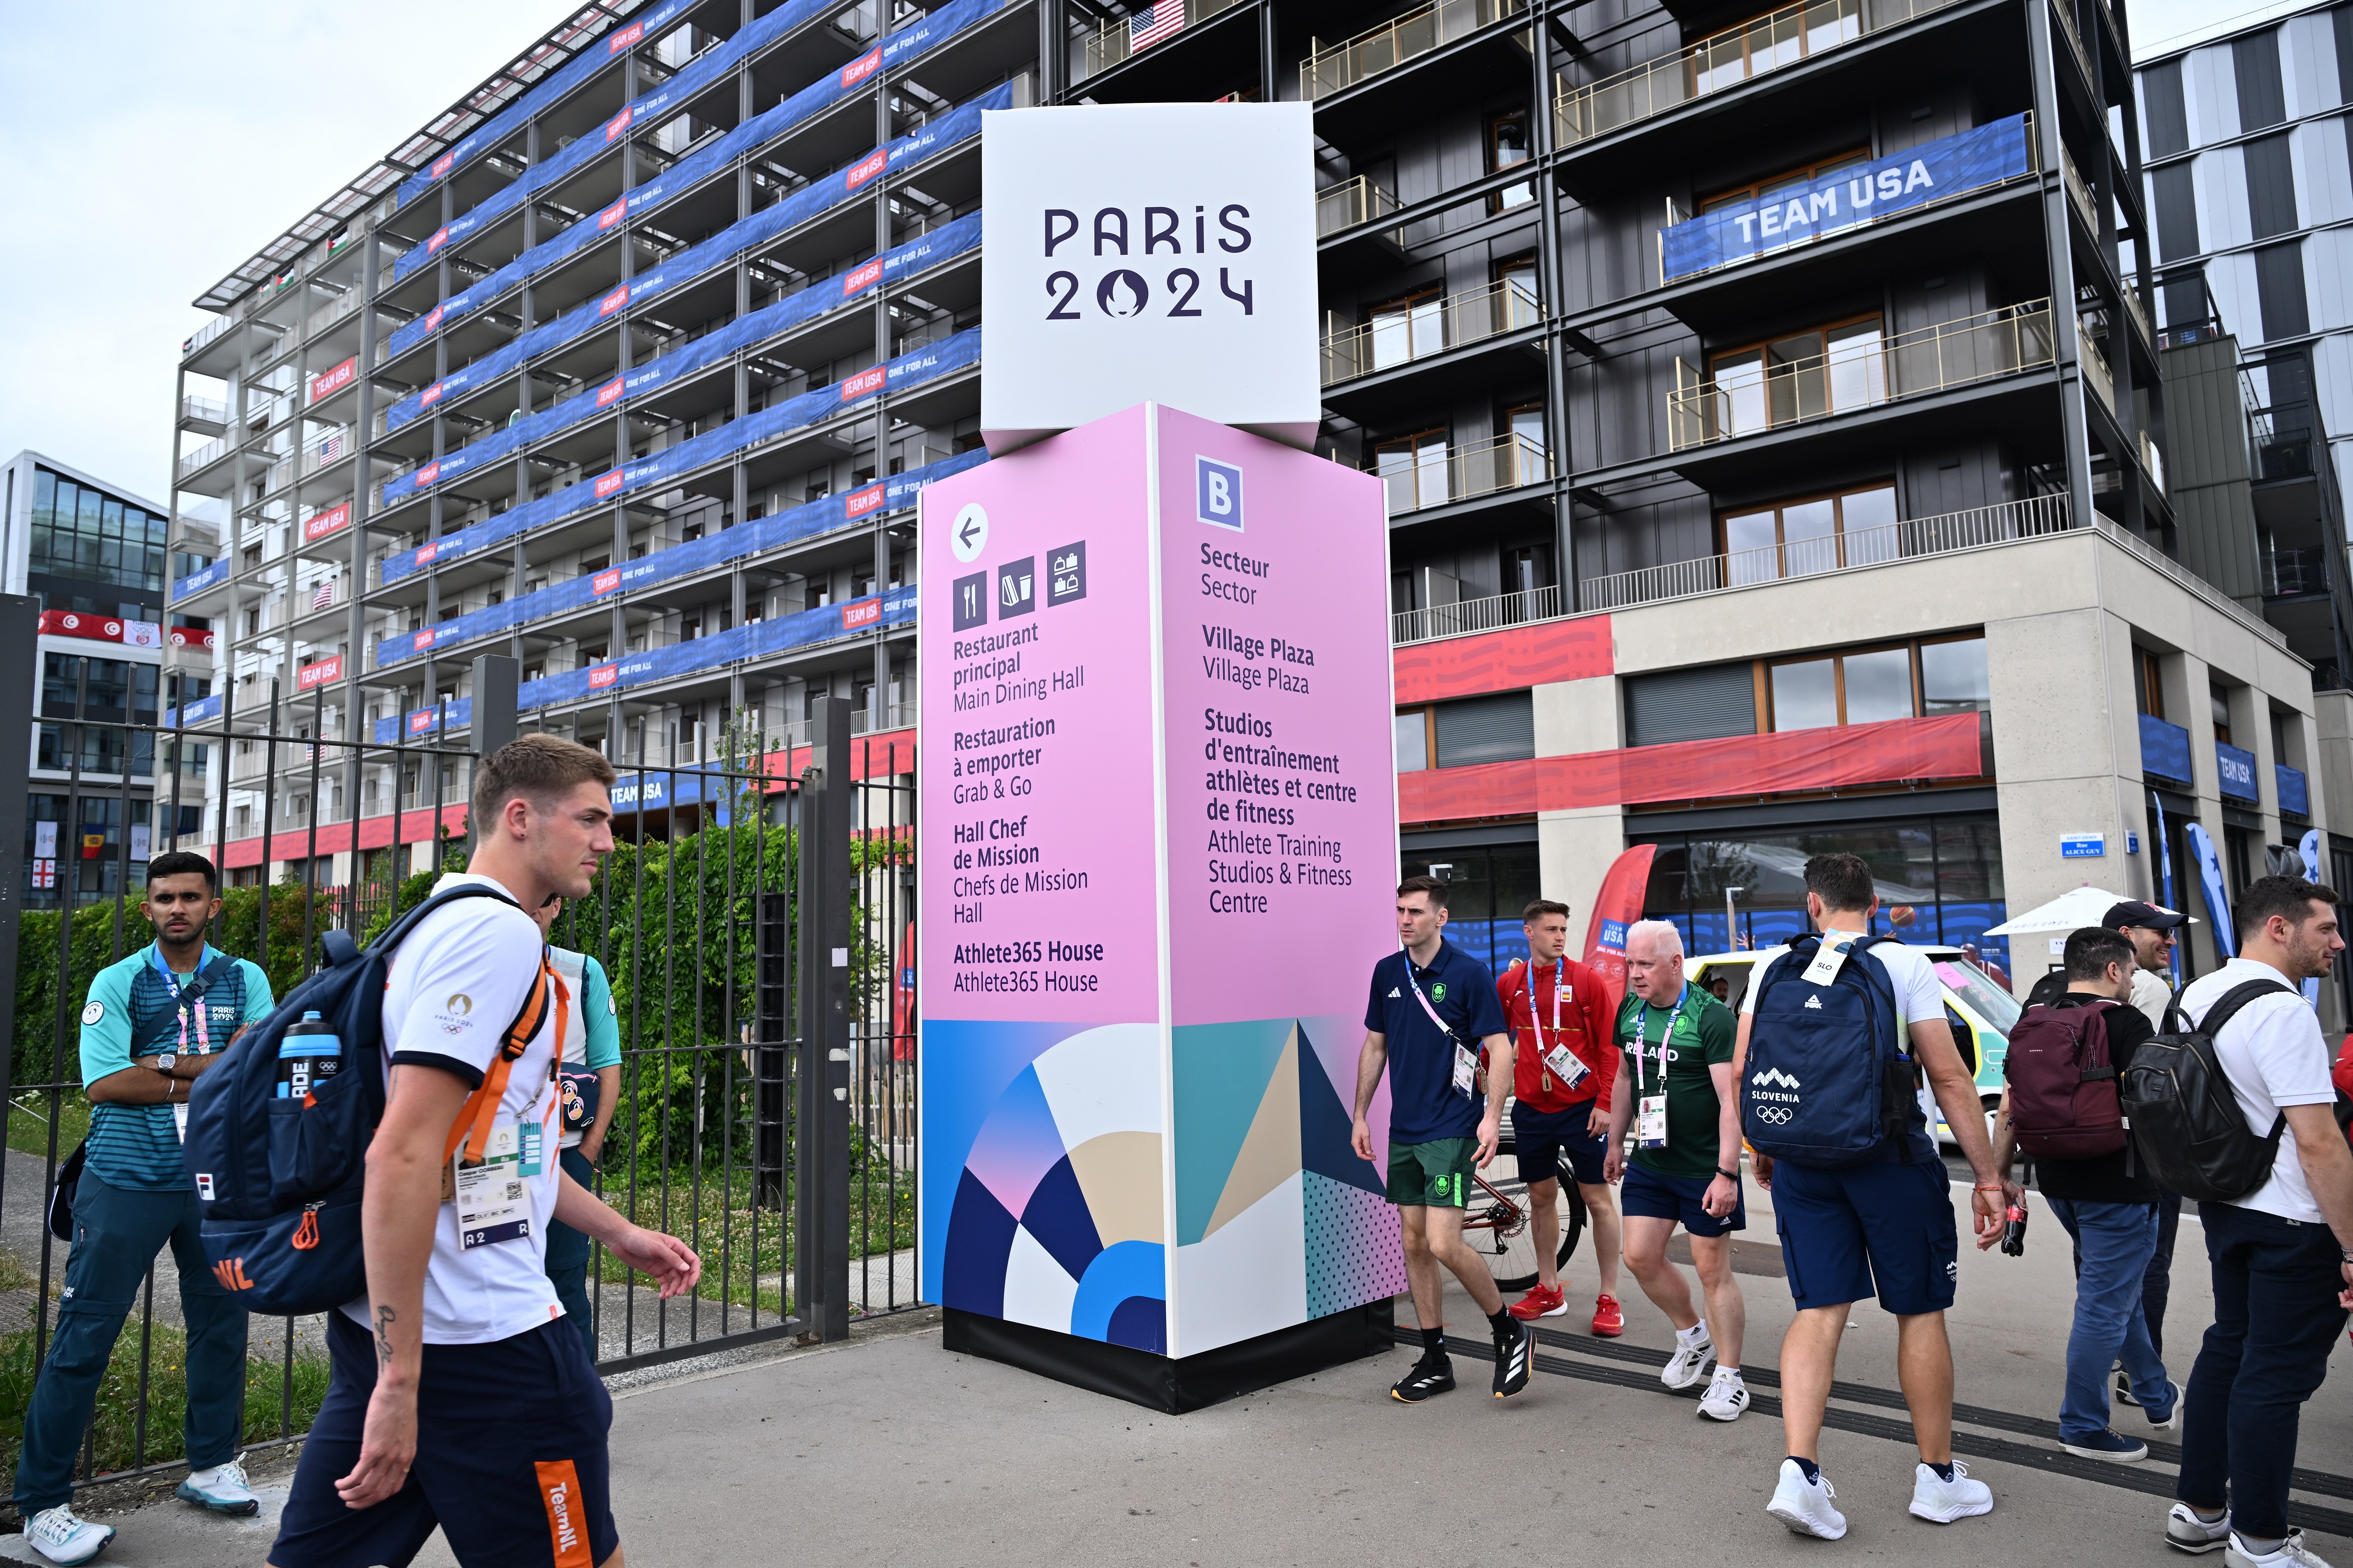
[165, 1062]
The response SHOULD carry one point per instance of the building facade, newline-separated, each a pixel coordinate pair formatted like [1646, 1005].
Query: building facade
[1770, 381]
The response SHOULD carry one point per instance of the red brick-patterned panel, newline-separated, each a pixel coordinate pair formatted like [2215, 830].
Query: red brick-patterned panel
[1509, 660]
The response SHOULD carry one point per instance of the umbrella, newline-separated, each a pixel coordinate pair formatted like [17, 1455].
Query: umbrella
[2068, 912]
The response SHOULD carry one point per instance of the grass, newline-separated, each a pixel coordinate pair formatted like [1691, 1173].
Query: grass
[28, 1125]
[117, 1420]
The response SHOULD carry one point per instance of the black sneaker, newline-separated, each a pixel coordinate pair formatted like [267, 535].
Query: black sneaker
[2122, 1389]
[1431, 1374]
[1513, 1348]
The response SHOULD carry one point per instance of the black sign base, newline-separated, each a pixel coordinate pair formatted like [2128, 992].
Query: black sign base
[1193, 1382]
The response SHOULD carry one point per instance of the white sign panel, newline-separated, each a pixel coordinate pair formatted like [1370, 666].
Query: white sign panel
[1159, 252]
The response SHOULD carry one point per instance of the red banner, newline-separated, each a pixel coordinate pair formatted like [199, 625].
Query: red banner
[326, 673]
[335, 380]
[1508, 661]
[903, 1000]
[100, 628]
[334, 519]
[1616, 904]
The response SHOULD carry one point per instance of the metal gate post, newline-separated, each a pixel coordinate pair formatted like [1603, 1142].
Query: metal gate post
[771, 1023]
[821, 1160]
[497, 677]
[20, 620]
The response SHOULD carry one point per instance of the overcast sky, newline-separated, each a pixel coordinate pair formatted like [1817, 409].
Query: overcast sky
[152, 147]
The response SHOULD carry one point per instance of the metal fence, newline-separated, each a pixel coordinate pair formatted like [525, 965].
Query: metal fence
[755, 924]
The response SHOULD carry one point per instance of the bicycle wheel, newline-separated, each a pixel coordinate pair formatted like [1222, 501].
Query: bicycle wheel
[1495, 1226]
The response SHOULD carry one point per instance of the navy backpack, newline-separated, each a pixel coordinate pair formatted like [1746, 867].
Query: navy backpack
[1829, 1070]
[280, 1179]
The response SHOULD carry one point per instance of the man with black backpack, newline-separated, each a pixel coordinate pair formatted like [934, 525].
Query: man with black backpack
[1832, 1032]
[150, 1024]
[2060, 1105]
[456, 1398]
[2275, 1184]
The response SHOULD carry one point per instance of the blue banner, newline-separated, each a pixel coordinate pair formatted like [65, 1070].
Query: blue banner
[2218, 895]
[647, 24]
[1933, 171]
[755, 537]
[807, 202]
[2295, 800]
[663, 468]
[2236, 770]
[197, 582]
[203, 711]
[425, 721]
[2164, 748]
[744, 332]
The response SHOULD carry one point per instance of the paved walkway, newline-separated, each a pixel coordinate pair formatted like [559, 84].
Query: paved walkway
[889, 1450]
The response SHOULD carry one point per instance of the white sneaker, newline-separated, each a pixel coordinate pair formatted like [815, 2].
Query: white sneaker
[2185, 1531]
[1690, 1360]
[1805, 1505]
[1726, 1397]
[64, 1540]
[2291, 1554]
[1941, 1501]
[223, 1489]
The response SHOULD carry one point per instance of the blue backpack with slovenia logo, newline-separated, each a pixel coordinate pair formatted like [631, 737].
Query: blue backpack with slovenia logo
[1828, 1069]
[278, 1178]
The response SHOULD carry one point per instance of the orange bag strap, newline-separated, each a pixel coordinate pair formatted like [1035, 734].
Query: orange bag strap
[472, 1126]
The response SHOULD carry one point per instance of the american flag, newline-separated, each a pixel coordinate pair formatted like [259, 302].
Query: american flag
[1154, 22]
[324, 595]
[331, 447]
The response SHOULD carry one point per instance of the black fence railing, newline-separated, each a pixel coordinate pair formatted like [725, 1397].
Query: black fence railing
[756, 926]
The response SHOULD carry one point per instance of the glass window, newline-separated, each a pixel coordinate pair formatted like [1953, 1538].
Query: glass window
[1522, 298]
[1749, 540]
[1953, 678]
[1412, 742]
[1507, 144]
[1821, 534]
[1413, 470]
[1804, 175]
[1407, 329]
[1878, 686]
[1809, 538]
[1805, 694]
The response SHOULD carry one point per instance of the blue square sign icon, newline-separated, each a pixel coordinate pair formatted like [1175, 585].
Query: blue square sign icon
[1218, 490]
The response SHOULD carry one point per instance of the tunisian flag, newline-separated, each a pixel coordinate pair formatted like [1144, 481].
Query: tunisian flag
[1616, 904]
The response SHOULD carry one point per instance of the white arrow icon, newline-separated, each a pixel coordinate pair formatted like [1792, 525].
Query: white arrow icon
[968, 534]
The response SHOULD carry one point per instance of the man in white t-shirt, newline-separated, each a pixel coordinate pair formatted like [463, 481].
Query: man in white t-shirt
[1882, 1226]
[456, 1398]
[2282, 1255]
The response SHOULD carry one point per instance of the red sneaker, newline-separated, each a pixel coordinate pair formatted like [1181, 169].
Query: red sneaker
[1541, 1301]
[1607, 1321]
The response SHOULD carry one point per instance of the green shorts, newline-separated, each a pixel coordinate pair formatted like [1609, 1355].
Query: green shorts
[1436, 1174]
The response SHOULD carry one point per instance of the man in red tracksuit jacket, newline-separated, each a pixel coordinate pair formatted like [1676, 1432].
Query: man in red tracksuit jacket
[1560, 1112]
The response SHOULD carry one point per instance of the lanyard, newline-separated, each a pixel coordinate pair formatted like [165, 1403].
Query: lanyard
[204, 955]
[1559, 969]
[1418, 996]
[1642, 1036]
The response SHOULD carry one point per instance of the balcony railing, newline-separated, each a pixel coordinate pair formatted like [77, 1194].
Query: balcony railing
[1326, 72]
[1829, 552]
[2086, 204]
[1784, 37]
[2065, 10]
[203, 411]
[2139, 313]
[1468, 616]
[2096, 374]
[207, 455]
[1345, 206]
[334, 310]
[1862, 373]
[2291, 572]
[1427, 326]
[1108, 45]
[1461, 473]
[2152, 460]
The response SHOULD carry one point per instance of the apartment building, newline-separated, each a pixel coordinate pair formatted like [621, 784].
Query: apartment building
[92, 556]
[1772, 382]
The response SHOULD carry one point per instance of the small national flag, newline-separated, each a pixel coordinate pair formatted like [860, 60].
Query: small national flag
[1154, 22]
[331, 447]
[325, 593]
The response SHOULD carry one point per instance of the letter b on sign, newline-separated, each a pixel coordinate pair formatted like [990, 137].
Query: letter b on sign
[1217, 487]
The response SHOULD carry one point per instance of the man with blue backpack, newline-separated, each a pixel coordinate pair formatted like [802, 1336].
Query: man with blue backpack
[150, 1025]
[1831, 1033]
[456, 1400]
[588, 1085]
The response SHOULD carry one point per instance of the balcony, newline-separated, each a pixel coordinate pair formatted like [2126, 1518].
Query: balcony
[2235, 770]
[2096, 374]
[204, 457]
[2289, 573]
[1419, 480]
[2086, 208]
[2164, 749]
[1725, 60]
[334, 310]
[202, 414]
[1467, 616]
[1427, 329]
[1828, 552]
[2152, 460]
[1394, 43]
[1109, 44]
[1344, 206]
[1863, 373]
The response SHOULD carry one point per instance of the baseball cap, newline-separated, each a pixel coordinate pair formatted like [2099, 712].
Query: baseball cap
[2136, 913]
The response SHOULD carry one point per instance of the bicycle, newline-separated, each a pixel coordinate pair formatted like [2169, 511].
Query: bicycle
[1496, 1226]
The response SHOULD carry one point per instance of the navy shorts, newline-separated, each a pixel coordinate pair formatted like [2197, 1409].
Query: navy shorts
[511, 1459]
[1858, 1231]
[1540, 1140]
[1652, 1196]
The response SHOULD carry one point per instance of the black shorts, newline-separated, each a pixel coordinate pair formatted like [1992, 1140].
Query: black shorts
[511, 1459]
[1541, 1138]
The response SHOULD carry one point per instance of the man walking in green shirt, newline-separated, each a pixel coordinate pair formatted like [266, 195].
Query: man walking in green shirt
[150, 1025]
[1678, 1044]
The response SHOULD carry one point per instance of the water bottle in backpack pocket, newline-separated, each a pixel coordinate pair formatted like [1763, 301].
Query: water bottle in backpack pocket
[2063, 1100]
[1829, 1076]
[2188, 1132]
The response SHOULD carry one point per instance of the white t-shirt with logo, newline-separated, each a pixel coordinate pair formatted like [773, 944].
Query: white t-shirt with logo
[455, 985]
[2274, 1054]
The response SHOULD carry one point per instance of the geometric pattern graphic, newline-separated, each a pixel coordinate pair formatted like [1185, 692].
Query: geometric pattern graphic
[1056, 1218]
[1353, 1254]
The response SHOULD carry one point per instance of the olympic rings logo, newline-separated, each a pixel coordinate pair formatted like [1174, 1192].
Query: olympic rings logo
[1775, 1115]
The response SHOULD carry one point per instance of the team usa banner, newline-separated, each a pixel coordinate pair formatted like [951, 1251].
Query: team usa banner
[665, 466]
